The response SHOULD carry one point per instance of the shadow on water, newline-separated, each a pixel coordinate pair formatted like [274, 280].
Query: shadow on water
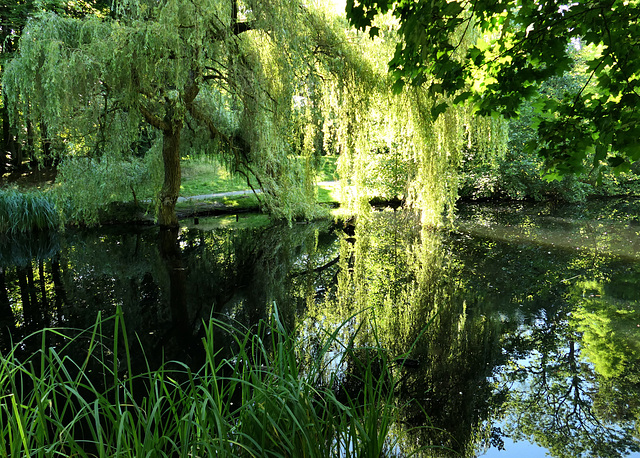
[521, 324]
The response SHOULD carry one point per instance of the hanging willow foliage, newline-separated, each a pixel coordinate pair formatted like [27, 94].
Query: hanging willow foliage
[268, 84]
[390, 147]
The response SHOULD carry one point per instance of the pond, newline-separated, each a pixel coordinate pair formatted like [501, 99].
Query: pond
[518, 331]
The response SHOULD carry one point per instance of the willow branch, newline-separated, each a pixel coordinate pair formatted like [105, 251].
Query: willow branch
[209, 124]
[153, 119]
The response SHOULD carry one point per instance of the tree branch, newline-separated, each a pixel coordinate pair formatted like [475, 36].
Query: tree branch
[213, 130]
[153, 119]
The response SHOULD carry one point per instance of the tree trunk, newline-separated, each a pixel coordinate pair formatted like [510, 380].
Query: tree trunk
[58, 286]
[43, 287]
[172, 256]
[6, 313]
[172, 176]
[5, 146]
[47, 152]
[7, 318]
[27, 310]
[31, 148]
[33, 292]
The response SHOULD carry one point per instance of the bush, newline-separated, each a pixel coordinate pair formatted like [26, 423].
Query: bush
[88, 185]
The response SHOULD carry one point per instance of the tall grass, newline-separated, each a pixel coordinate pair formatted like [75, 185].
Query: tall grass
[27, 211]
[258, 401]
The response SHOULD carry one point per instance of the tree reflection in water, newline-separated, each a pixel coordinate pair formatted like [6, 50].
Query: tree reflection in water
[488, 336]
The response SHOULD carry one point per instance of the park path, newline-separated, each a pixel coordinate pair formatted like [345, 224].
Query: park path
[238, 193]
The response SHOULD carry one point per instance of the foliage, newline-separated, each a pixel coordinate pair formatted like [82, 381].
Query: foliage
[608, 326]
[267, 86]
[401, 274]
[569, 316]
[388, 143]
[27, 211]
[520, 173]
[30, 136]
[87, 185]
[79, 394]
[517, 46]
[222, 72]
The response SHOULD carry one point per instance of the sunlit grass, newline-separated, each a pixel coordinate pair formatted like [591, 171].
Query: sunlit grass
[329, 193]
[260, 400]
[201, 176]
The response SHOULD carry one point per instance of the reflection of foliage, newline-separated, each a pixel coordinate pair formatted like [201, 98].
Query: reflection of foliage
[618, 399]
[551, 403]
[608, 317]
[609, 329]
[20, 250]
[555, 398]
[233, 272]
[444, 347]
[554, 408]
[479, 310]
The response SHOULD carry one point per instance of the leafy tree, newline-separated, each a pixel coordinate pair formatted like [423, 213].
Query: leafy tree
[14, 15]
[258, 82]
[221, 71]
[518, 45]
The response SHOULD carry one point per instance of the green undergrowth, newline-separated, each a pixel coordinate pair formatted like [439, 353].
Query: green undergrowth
[83, 396]
[27, 211]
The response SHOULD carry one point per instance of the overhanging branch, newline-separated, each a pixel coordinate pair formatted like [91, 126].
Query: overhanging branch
[153, 119]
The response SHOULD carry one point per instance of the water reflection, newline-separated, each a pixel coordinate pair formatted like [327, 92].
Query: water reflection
[515, 326]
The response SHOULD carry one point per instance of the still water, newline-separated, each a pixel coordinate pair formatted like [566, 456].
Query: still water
[520, 328]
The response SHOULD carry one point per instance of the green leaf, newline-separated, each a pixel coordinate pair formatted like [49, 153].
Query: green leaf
[462, 97]
[438, 109]
[452, 9]
[398, 86]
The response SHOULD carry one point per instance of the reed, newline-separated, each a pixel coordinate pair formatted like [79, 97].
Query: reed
[27, 211]
[260, 401]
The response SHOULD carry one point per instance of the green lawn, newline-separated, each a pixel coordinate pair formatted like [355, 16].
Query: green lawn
[328, 172]
[206, 176]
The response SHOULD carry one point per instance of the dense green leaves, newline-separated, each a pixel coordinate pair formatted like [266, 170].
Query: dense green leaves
[518, 45]
[212, 75]
[267, 85]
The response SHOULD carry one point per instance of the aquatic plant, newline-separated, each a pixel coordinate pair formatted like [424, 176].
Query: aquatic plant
[27, 211]
[83, 397]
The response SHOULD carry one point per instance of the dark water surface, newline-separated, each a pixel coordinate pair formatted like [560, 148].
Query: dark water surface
[522, 325]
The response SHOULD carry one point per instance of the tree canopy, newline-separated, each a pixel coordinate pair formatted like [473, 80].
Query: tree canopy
[220, 69]
[268, 85]
[516, 46]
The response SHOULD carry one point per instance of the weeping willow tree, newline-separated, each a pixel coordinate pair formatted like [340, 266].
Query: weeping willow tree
[395, 143]
[223, 73]
[267, 84]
